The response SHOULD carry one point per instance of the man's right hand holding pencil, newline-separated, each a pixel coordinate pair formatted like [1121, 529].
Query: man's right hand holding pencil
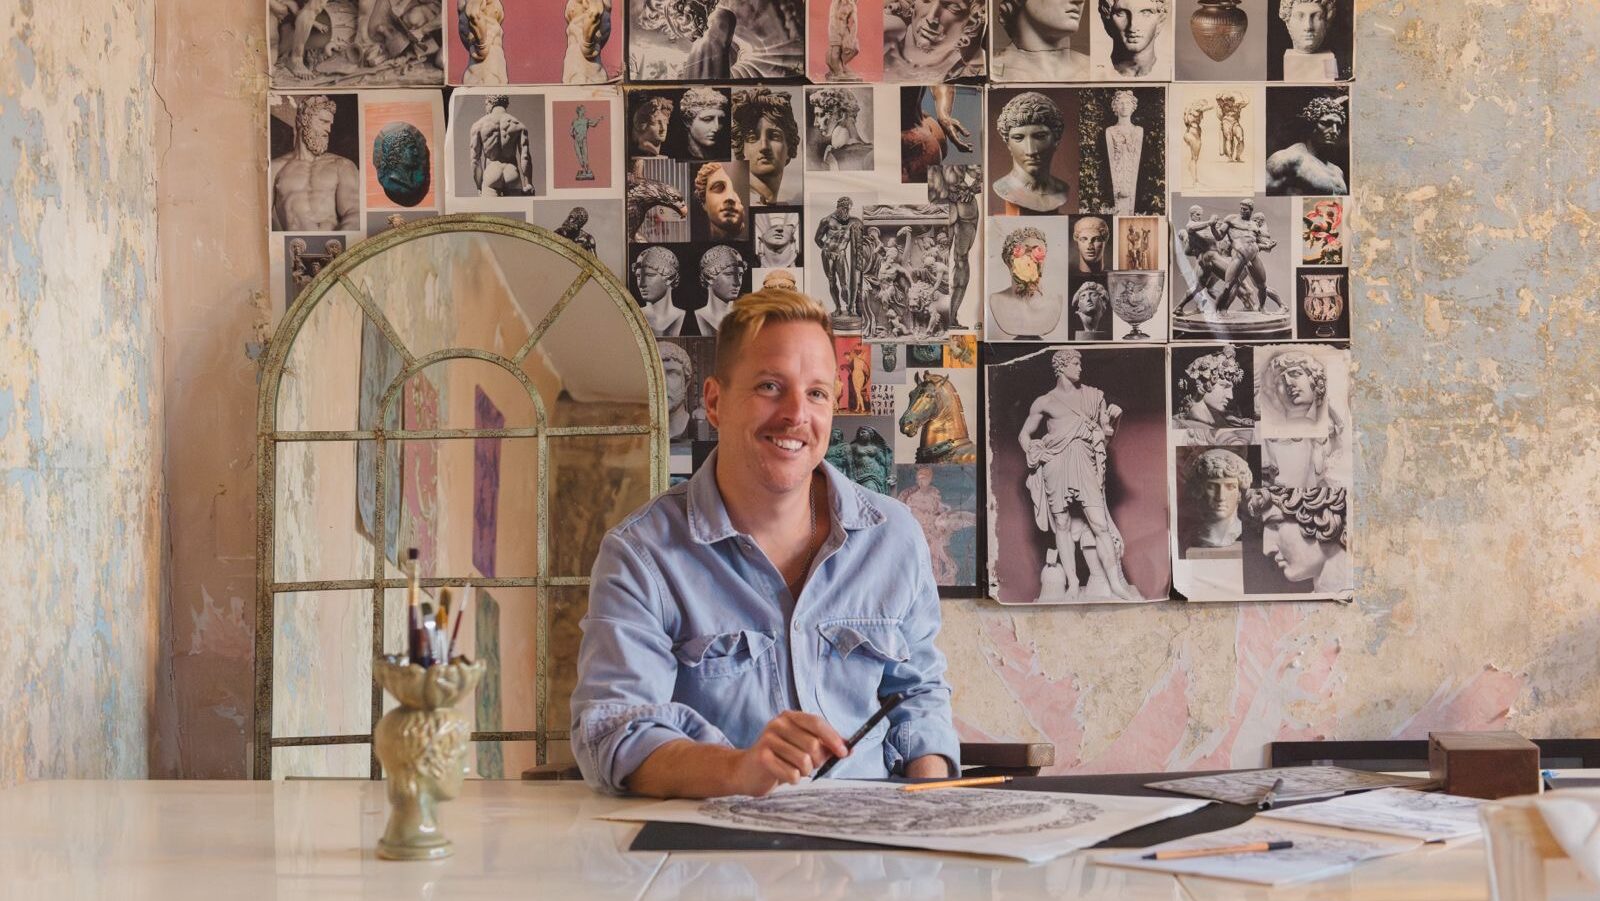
[791, 747]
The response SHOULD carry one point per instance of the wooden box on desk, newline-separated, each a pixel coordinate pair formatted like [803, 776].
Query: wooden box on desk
[1483, 764]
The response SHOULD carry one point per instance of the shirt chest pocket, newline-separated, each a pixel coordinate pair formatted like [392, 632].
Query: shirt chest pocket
[855, 653]
[725, 655]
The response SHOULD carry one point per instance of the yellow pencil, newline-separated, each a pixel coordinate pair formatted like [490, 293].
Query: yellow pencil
[955, 783]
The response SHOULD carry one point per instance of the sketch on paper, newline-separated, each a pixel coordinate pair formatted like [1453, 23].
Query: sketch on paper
[1314, 855]
[1299, 783]
[1032, 826]
[1427, 816]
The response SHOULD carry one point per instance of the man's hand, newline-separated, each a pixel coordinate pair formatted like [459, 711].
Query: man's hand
[789, 749]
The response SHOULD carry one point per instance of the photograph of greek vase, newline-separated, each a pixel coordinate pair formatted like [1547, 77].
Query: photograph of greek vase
[1218, 27]
[1324, 301]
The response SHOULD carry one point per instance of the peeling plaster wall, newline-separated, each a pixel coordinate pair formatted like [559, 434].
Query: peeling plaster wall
[1478, 457]
[80, 391]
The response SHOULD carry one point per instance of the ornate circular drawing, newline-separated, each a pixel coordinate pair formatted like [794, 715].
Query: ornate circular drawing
[952, 812]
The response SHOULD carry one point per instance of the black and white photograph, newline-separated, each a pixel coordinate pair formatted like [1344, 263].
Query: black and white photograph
[321, 43]
[657, 200]
[839, 132]
[692, 40]
[1034, 156]
[1028, 284]
[766, 136]
[1131, 40]
[888, 267]
[314, 179]
[1138, 302]
[1232, 268]
[720, 202]
[1215, 136]
[1123, 150]
[699, 129]
[779, 238]
[1091, 247]
[1089, 315]
[687, 363]
[1210, 487]
[1041, 40]
[1077, 464]
[1221, 41]
[497, 143]
[929, 41]
[1213, 394]
[1308, 140]
[1310, 40]
[655, 276]
[303, 256]
[1303, 401]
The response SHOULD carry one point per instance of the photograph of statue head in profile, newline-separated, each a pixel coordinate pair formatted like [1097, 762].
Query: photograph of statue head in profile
[1308, 140]
[1310, 40]
[1299, 537]
[1211, 487]
[649, 119]
[1212, 400]
[1133, 40]
[1090, 309]
[1040, 40]
[1031, 153]
[1303, 398]
[840, 136]
[929, 41]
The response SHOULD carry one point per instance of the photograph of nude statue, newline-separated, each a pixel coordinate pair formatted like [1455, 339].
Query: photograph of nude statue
[837, 31]
[1077, 475]
[319, 43]
[314, 180]
[1033, 151]
[1310, 40]
[1215, 137]
[1123, 150]
[1232, 267]
[497, 146]
[715, 40]
[1308, 140]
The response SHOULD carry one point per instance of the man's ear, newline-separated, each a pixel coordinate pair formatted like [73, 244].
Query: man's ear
[710, 394]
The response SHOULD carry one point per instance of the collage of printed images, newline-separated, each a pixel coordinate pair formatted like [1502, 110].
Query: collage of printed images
[1087, 261]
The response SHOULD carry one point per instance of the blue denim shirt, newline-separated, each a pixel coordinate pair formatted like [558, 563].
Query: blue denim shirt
[691, 633]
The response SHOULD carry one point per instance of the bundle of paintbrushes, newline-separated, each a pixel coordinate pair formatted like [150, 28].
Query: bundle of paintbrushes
[429, 635]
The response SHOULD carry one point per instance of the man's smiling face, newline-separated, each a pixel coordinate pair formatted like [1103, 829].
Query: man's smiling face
[774, 413]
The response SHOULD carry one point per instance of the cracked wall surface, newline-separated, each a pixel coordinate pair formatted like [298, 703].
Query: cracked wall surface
[80, 392]
[1477, 471]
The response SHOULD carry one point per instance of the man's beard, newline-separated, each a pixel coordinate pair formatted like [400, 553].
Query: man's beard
[316, 143]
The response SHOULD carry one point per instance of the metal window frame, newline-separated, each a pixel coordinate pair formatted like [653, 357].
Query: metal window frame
[336, 275]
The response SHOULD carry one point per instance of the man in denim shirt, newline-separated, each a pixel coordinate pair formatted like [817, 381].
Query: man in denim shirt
[740, 621]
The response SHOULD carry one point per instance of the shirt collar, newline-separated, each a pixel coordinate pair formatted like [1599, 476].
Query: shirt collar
[708, 515]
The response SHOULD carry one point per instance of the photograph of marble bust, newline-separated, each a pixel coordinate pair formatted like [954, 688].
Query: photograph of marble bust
[840, 136]
[1089, 314]
[1133, 41]
[1030, 152]
[1304, 535]
[701, 129]
[655, 272]
[1039, 40]
[1211, 395]
[1310, 40]
[1308, 141]
[1302, 394]
[1211, 486]
[767, 137]
[930, 41]
[1029, 307]
[1091, 244]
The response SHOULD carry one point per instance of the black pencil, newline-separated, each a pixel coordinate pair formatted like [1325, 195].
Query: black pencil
[889, 703]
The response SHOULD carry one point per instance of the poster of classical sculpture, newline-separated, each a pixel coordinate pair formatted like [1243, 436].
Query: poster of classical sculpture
[936, 414]
[1077, 483]
[1215, 138]
[593, 225]
[1122, 139]
[1030, 278]
[1310, 40]
[1232, 268]
[1040, 40]
[693, 40]
[1131, 40]
[929, 41]
[836, 32]
[1308, 140]
[507, 42]
[1034, 151]
[298, 259]
[498, 144]
[314, 179]
[944, 500]
[687, 363]
[403, 136]
[320, 43]
[1213, 394]
[862, 447]
[1224, 41]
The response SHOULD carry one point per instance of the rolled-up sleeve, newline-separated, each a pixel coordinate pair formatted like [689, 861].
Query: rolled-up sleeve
[622, 708]
[922, 724]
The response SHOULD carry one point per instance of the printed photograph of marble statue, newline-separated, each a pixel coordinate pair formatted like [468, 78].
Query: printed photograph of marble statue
[1089, 314]
[780, 278]
[1308, 140]
[903, 266]
[657, 200]
[649, 120]
[1091, 244]
[840, 136]
[483, 37]
[512, 42]
[1040, 40]
[844, 39]
[1077, 475]
[1303, 399]
[1215, 137]
[766, 137]
[403, 142]
[944, 501]
[928, 41]
[1298, 540]
[939, 125]
[1212, 482]
[656, 275]
[1141, 243]
[840, 242]
[837, 32]
[686, 362]
[1213, 395]
[778, 239]
[724, 276]
[503, 149]
[1310, 40]
[1028, 298]
[314, 181]
[1036, 162]
[1124, 157]
[720, 211]
[701, 130]
[316, 43]
[715, 40]
[1232, 279]
[958, 188]
[1133, 41]
[588, 32]
[1220, 41]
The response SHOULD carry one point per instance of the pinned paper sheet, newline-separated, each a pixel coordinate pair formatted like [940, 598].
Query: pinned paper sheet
[1316, 853]
[1427, 816]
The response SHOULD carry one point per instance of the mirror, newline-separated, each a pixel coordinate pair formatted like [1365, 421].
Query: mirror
[475, 388]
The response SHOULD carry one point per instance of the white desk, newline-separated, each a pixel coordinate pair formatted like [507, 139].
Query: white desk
[166, 841]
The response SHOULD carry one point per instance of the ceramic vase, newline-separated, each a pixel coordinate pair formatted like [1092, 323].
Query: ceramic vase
[422, 745]
[1219, 27]
[1135, 297]
[1324, 301]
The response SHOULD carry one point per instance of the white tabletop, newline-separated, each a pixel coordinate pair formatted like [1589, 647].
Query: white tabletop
[167, 841]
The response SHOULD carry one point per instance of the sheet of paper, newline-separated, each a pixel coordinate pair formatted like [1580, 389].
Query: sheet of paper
[1299, 783]
[1026, 825]
[1317, 853]
[1428, 816]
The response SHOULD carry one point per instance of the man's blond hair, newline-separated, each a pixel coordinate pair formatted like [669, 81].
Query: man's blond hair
[748, 314]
